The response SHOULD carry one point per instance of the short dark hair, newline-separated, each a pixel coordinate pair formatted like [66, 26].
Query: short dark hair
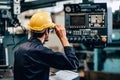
[37, 33]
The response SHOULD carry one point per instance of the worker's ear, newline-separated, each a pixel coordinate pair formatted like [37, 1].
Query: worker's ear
[46, 32]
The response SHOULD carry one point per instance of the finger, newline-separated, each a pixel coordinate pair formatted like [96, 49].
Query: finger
[57, 27]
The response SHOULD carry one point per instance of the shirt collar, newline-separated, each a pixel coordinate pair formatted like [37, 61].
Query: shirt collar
[35, 40]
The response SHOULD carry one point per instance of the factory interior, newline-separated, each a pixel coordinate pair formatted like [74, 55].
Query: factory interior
[92, 28]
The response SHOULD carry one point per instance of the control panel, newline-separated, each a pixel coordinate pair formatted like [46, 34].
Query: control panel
[87, 23]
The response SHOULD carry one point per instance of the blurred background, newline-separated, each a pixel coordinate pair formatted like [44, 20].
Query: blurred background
[93, 29]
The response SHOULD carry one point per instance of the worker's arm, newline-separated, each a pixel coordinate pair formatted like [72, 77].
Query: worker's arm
[60, 60]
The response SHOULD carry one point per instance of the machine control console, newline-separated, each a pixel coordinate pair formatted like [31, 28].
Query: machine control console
[86, 23]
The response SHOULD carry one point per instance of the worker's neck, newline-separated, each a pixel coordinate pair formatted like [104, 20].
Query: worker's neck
[41, 39]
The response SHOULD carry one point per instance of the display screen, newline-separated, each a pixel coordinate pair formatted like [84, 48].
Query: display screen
[96, 21]
[77, 20]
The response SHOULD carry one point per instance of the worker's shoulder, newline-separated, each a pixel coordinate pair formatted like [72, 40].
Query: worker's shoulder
[34, 45]
[21, 46]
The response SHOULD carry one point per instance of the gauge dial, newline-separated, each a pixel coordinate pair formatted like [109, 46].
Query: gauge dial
[68, 9]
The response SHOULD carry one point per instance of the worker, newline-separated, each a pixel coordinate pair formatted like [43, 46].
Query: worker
[33, 60]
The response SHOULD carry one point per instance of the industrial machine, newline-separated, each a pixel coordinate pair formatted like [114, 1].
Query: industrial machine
[89, 29]
[9, 10]
[87, 23]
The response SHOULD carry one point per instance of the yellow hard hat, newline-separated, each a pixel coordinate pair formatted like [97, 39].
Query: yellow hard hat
[40, 21]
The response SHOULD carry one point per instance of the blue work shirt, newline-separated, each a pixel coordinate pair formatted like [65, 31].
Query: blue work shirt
[33, 60]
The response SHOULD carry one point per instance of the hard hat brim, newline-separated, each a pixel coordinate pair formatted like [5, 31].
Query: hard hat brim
[40, 28]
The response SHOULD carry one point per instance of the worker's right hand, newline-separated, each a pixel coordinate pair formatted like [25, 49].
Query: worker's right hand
[61, 33]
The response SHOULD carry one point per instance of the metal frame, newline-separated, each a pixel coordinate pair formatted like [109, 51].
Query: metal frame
[38, 4]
